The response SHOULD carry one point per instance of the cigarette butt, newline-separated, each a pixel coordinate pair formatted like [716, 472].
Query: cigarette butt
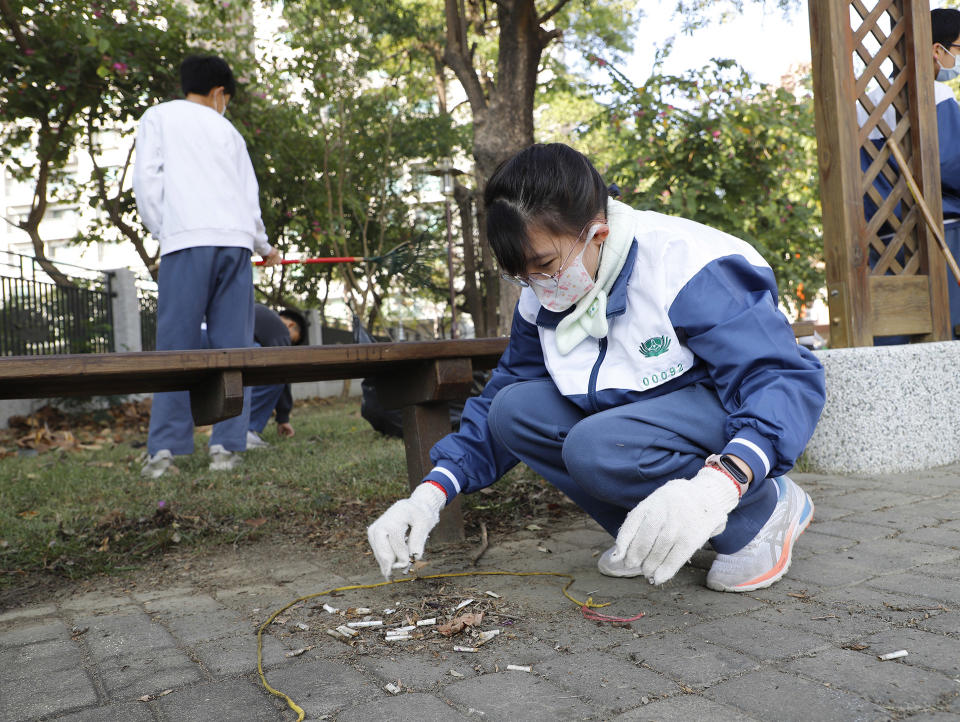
[346, 631]
[462, 604]
[298, 652]
[328, 608]
[465, 649]
[402, 629]
[487, 636]
[455, 673]
[397, 638]
[519, 668]
[390, 610]
[492, 594]
[892, 655]
[427, 622]
[304, 627]
[371, 623]
[392, 688]
[359, 610]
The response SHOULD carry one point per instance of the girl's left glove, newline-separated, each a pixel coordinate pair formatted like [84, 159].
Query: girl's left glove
[664, 530]
[402, 530]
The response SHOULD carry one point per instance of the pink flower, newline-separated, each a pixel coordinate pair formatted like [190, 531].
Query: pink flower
[29, 51]
[601, 62]
[120, 67]
[98, 13]
[716, 134]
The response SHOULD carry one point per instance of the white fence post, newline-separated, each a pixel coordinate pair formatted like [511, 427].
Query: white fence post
[126, 310]
[314, 329]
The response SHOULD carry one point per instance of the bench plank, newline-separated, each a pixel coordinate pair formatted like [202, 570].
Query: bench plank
[25, 377]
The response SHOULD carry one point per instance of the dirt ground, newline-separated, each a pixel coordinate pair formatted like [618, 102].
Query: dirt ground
[237, 565]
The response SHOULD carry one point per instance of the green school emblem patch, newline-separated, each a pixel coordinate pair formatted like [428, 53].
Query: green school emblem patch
[655, 346]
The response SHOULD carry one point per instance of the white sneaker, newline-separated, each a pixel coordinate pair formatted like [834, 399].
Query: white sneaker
[221, 459]
[157, 464]
[255, 442]
[766, 558]
[616, 569]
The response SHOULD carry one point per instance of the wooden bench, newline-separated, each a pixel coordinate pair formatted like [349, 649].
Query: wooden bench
[419, 377]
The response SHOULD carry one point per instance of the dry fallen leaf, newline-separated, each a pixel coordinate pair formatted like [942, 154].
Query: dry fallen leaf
[457, 624]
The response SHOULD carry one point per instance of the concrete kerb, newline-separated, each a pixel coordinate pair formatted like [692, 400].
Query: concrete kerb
[889, 409]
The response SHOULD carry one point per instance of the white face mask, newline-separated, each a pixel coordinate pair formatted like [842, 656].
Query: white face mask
[945, 74]
[568, 285]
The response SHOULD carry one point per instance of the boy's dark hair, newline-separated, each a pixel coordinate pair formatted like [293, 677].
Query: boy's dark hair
[552, 187]
[945, 24]
[202, 73]
[299, 319]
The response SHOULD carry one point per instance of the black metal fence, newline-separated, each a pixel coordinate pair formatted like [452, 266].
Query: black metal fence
[40, 317]
[147, 301]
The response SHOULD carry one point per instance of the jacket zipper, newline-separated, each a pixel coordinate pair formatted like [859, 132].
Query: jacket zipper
[594, 372]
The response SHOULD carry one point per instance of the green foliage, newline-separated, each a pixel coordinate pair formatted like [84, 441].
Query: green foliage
[712, 146]
[333, 157]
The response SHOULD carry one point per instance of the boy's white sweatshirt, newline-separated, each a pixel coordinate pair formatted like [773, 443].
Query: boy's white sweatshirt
[194, 182]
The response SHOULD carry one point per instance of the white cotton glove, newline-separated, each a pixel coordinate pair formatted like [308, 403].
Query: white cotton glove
[416, 515]
[665, 529]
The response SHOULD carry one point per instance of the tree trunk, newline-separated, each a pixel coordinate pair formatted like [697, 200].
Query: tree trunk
[502, 115]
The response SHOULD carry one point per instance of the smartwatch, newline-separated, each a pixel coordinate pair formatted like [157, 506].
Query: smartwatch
[732, 468]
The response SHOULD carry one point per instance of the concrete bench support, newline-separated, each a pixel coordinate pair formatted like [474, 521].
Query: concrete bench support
[889, 409]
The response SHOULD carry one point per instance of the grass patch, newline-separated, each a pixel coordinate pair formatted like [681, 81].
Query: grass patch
[86, 512]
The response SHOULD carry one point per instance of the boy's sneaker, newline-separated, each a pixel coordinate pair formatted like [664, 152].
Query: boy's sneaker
[255, 442]
[156, 465]
[221, 459]
[766, 558]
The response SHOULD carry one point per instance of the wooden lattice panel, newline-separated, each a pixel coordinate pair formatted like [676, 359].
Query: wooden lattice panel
[886, 110]
[873, 85]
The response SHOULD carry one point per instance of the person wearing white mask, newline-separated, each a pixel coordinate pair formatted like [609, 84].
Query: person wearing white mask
[649, 376]
[198, 196]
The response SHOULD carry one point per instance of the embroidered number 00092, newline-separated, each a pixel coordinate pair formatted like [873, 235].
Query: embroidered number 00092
[655, 379]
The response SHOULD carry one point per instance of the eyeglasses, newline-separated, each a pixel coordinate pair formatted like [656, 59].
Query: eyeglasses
[546, 280]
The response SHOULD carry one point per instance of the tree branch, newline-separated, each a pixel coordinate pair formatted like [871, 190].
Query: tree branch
[456, 56]
[10, 18]
[552, 11]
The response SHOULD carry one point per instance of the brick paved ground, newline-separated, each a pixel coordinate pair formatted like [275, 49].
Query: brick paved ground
[878, 571]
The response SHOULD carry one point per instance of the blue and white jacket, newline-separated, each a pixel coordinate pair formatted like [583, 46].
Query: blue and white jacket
[690, 305]
[948, 133]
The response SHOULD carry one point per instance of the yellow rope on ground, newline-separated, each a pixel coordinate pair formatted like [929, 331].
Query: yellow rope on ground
[296, 708]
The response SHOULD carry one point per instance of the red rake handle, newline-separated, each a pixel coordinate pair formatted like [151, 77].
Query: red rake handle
[330, 259]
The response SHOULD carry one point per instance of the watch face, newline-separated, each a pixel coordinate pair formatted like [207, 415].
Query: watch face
[734, 470]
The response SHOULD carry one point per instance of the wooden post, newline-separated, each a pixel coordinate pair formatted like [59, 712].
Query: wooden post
[219, 398]
[925, 143]
[844, 246]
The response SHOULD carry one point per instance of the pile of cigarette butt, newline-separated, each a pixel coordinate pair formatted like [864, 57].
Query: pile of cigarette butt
[459, 623]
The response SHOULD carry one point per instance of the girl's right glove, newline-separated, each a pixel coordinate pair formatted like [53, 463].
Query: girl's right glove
[416, 516]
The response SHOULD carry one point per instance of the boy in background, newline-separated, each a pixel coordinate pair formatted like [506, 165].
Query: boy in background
[197, 194]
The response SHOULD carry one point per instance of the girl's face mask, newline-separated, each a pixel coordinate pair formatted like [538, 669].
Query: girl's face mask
[559, 291]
